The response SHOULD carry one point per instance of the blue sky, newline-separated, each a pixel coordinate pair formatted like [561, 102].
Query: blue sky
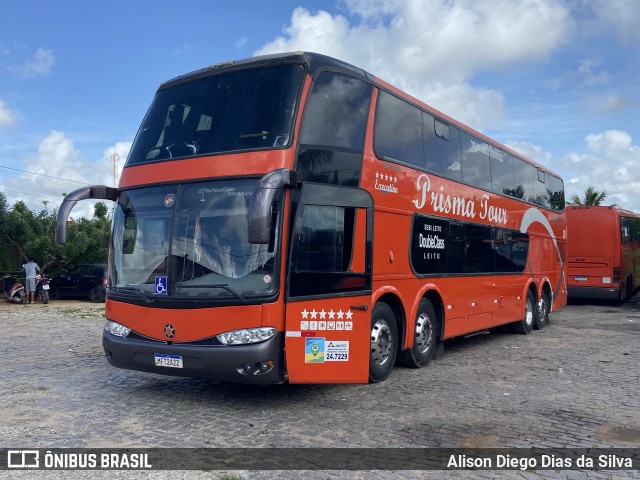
[558, 80]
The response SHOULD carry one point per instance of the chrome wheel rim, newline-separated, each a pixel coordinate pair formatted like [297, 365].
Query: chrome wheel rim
[543, 309]
[528, 314]
[381, 342]
[424, 333]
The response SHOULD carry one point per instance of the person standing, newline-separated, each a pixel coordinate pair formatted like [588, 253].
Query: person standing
[30, 269]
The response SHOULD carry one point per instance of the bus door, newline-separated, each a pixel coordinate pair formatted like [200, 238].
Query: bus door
[328, 313]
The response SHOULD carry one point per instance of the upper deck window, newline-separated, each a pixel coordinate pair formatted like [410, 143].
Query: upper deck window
[233, 111]
[333, 130]
[401, 130]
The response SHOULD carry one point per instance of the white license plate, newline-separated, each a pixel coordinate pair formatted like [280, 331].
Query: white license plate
[580, 279]
[45, 287]
[172, 361]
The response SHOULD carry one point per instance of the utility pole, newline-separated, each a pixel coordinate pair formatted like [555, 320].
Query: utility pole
[115, 158]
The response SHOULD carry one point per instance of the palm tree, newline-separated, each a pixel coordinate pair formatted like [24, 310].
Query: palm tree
[591, 197]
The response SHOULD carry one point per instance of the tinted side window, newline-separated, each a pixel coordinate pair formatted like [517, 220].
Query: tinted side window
[441, 147]
[329, 252]
[336, 112]
[442, 246]
[625, 230]
[456, 247]
[321, 246]
[542, 196]
[503, 248]
[333, 130]
[502, 179]
[523, 172]
[475, 153]
[480, 257]
[429, 245]
[398, 131]
[634, 226]
[556, 192]
[520, 250]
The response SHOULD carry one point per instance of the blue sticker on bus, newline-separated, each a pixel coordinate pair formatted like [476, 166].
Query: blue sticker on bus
[161, 286]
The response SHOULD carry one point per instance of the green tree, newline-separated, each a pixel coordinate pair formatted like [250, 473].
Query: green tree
[591, 197]
[25, 234]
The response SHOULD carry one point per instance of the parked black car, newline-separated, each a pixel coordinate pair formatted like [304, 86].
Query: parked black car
[84, 281]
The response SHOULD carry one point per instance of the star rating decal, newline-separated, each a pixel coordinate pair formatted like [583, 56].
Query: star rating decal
[327, 319]
[386, 177]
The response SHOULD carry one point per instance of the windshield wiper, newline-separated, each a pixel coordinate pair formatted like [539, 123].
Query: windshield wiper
[223, 286]
[132, 289]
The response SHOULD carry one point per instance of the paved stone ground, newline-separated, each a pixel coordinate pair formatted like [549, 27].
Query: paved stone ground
[574, 384]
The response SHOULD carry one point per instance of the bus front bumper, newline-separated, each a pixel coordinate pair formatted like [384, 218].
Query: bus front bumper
[224, 363]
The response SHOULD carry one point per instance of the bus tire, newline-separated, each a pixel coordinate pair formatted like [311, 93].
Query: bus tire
[384, 342]
[425, 337]
[525, 325]
[542, 319]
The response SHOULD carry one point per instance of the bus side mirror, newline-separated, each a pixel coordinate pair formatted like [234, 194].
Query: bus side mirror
[262, 200]
[98, 192]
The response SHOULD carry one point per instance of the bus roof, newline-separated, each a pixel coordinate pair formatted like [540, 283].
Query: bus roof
[601, 208]
[315, 63]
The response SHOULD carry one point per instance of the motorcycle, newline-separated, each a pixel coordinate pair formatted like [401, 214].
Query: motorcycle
[13, 290]
[42, 287]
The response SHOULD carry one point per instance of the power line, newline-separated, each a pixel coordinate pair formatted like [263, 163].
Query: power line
[43, 175]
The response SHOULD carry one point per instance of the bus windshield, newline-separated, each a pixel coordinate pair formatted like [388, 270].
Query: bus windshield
[190, 241]
[233, 111]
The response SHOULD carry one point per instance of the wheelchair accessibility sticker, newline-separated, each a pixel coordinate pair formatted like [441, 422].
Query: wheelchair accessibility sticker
[161, 286]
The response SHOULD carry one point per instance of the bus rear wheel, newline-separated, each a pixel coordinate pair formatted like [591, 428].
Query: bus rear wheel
[424, 339]
[525, 325]
[384, 342]
[544, 307]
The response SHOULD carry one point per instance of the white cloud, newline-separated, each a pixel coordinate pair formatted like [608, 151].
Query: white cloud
[589, 73]
[534, 152]
[610, 164]
[607, 103]
[61, 168]
[40, 64]
[57, 156]
[619, 17]
[431, 49]
[8, 117]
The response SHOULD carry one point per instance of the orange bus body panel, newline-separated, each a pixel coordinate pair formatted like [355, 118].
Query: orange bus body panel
[600, 264]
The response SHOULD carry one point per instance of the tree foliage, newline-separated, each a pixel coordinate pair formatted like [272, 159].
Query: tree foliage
[591, 197]
[25, 234]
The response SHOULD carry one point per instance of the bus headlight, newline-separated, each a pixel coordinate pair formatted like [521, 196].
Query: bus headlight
[246, 335]
[116, 329]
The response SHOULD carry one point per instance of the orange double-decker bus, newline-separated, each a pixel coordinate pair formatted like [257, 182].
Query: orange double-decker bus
[603, 253]
[292, 217]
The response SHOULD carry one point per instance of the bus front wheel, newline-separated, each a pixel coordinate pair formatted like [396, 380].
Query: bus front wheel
[384, 342]
[424, 339]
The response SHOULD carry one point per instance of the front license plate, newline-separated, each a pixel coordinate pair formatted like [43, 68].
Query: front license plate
[172, 361]
[45, 287]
